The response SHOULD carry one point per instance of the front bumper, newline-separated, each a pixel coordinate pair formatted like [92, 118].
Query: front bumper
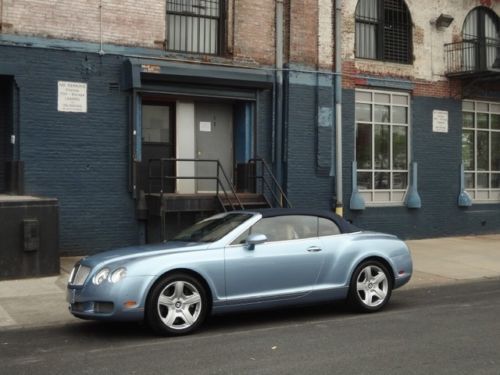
[123, 301]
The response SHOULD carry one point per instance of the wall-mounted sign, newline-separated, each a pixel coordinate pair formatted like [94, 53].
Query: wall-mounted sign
[150, 68]
[440, 121]
[71, 96]
[205, 126]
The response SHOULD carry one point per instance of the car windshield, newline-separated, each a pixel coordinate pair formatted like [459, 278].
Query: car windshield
[212, 229]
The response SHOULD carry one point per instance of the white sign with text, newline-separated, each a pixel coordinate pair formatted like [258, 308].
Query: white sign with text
[71, 96]
[439, 121]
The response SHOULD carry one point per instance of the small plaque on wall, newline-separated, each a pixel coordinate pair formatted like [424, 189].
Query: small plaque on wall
[71, 96]
[440, 121]
[205, 126]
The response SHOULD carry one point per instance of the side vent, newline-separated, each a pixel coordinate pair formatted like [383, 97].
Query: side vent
[113, 87]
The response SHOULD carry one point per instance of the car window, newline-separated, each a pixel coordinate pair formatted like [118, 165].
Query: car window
[283, 228]
[327, 227]
[212, 229]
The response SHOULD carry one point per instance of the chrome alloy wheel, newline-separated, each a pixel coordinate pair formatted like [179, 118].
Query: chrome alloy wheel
[372, 286]
[179, 305]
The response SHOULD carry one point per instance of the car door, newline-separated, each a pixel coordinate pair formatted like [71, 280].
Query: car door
[285, 266]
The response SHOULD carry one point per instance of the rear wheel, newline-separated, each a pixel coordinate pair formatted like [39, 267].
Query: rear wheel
[177, 305]
[371, 286]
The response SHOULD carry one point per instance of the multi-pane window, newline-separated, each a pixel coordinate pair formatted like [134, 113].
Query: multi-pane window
[383, 30]
[194, 26]
[382, 126]
[481, 149]
[481, 39]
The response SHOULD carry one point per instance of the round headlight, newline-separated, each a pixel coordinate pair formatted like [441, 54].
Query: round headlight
[100, 276]
[117, 275]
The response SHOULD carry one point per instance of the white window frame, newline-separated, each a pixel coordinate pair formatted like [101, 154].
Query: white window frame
[391, 196]
[482, 195]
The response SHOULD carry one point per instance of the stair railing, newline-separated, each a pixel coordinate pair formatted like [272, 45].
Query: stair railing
[220, 177]
[272, 186]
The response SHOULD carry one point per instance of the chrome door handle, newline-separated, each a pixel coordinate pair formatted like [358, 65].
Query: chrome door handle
[314, 249]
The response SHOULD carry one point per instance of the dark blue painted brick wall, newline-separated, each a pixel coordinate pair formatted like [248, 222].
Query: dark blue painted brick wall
[264, 125]
[79, 158]
[306, 186]
[438, 156]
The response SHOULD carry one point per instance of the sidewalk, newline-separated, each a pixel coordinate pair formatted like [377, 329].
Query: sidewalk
[41, 301]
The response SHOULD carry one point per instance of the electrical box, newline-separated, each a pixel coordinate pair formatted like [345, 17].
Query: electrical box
[31, 234]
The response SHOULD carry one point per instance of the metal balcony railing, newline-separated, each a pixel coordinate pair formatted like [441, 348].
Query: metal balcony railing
[472, 56]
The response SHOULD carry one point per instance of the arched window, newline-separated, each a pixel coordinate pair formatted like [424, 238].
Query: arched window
[480, 34]
[383, 31]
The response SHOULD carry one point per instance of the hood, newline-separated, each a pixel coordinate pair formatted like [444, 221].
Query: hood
[132, 252]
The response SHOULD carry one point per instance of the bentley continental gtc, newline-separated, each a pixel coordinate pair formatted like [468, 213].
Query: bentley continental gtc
[240, 260]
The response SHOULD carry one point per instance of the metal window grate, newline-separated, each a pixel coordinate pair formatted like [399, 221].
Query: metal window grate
[194, 26]
[383, 30]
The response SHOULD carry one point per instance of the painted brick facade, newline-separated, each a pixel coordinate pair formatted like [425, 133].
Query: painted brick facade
[428, 41]
[438, 157]
[80, 158]
[84, 160]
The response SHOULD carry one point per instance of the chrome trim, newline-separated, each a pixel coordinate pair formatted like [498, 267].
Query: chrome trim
[78, 275]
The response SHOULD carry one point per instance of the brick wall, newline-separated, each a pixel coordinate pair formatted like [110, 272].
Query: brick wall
[438, 156]
[306, 188]
[4, 130]
[254, 31]
[303, 32]
[80, 158]
[250, 24]
[124, 22]
[428, 68]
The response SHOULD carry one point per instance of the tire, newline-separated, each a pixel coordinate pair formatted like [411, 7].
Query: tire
[371, 287]
[177, 305]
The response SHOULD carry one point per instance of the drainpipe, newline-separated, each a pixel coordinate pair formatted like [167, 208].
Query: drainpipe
[101, 50]
[279, 91]
[339, 210]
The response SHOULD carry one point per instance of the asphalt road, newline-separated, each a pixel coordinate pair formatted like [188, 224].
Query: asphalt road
[442, 330]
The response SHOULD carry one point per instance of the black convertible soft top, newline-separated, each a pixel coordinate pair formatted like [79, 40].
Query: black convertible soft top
[344, 225]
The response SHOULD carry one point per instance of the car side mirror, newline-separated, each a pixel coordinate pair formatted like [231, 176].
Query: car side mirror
[255, 239]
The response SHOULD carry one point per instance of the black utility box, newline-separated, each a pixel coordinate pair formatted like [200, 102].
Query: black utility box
[29, 236]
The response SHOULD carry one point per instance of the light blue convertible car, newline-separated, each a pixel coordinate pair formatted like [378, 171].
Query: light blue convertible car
[238, 261]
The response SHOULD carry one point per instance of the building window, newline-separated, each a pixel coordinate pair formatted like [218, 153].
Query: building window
[382, 126]
[194, 26]
[481, 149]
[481, 40]
[383, 31]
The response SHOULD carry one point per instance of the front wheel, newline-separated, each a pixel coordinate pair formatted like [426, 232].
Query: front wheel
[371, 286]
[177, 305]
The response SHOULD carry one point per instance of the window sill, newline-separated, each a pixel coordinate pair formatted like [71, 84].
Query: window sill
[485, 202]
[384, 204]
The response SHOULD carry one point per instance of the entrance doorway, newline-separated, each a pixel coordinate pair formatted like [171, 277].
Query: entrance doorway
[6, 129]
[193, 132]
[158, 142]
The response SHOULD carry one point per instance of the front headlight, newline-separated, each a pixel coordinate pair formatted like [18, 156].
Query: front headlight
[100, 276]
[117, 275]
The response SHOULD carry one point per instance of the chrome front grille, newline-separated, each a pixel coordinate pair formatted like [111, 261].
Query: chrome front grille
[79, 275]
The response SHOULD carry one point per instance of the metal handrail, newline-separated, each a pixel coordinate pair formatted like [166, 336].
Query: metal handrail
[219, 182]
[275, 182]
